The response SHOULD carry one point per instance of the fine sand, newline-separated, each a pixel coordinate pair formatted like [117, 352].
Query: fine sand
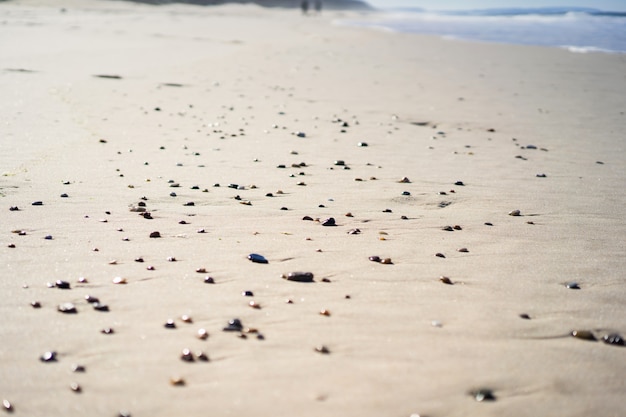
[206, 96]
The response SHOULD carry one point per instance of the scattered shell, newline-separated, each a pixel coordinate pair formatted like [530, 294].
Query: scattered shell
[329, 222]
[48, 357]
[155, 234]
[613, 339]
[483, 394]
[255, 257]
[584, 335]
[322, 349]
[234, 325]
[202, 334]
[515, 213]
[187, 355]
[186, 318]
[446, 280]
[67, 308]
[119, 280]
[299, 276]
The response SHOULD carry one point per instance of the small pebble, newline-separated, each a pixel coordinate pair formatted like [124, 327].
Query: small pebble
[64, 285]
[119, 280]
[209, 280]
[464, 250]
[177, 381]
[446, 280]
[447, 229]
[202, 334]
[483, 394]
[329, 222]
[187, 356]
[488, 224]
[362, 144]
[339, 162]
[185, 318]
[249, 293]
[201, 270]
[325, 312]
[572, 285]
[524, 316]
[100, 307]
[37, 203]
[254, 305]
[322, 349]
[170, 324]
[584, 335]
[14, 208]
[48, 357]
[354, 231]
[299, 276]
[75, 387]
[386, 261]
[514, 213]
[255, 257]
[613, 339]
[35, 304]
[459, 183]
[171, 259]
[67, 308]
[440, 255]
[107, 330]
[374, 258]
[155, 234]
[234, 325]
[404, 180]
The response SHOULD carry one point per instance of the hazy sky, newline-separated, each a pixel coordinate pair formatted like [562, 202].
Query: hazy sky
[612, 5]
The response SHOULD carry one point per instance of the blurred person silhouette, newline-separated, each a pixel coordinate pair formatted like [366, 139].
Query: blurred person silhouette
[305, 6]
[318, 6]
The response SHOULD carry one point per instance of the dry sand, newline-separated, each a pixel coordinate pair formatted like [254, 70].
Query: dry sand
[246, 80]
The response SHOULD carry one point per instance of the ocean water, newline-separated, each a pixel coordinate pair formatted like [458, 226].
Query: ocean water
[578, 30]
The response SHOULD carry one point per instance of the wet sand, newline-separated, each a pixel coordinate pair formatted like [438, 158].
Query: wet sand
[195, 97]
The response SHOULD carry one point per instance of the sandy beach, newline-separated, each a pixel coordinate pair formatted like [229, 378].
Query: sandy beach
[223, 128]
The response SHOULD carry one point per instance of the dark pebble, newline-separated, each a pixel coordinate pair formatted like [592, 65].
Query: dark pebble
[339, 162]
[147, 215]
[155, 234]
[171, 259]
[374, 258]
[284, 208]
[299, 276]
[201, 356]
[457, 227]
[170, 324]
[322, 349]
[78, 368]
[182, 222]
[329, 222]
[440, 255]
[187, 356]
[172, 194]
[107, 330]
[459, 183]
[209, 280]
[406, 193]
[189, 204]
[11, 245]
[234, 325]
[613, 339]
[572, 285]
[139, 260]
[91, 299]
[446, 280]
[447, 228]
[354, 231]
[64, 285]
[524, 316]
[255, 257]
[483, 394]
[387, 211]
[488, 224]
[362, 144]
[37, 203]
[247, 294]
[404, 218]
[307, 218]
[35, 304]
[100, 307]
[64, 195]
[541, 175]
[14, 208]
[269, 195]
